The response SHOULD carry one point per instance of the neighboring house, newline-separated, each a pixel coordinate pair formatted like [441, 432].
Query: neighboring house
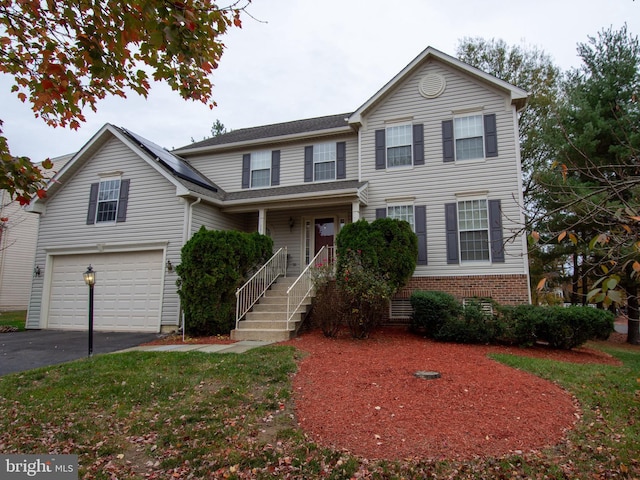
[18, 235]
[436, 146]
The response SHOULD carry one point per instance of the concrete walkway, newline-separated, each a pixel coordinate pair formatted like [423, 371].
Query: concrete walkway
[238, 347]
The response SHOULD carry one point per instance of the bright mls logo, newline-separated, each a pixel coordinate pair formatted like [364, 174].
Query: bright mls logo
[49, 467]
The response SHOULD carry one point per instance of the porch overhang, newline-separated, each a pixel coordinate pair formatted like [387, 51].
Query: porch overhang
[312, 194]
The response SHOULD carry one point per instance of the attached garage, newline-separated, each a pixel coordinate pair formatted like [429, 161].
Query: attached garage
[127, 294]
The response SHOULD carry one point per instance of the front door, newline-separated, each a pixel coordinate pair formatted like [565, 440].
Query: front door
[324, 235]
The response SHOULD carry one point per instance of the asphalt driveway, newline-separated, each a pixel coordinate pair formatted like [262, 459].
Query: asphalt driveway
[29, 349]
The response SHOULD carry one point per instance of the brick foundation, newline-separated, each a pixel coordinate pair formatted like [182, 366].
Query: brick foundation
[504, 289]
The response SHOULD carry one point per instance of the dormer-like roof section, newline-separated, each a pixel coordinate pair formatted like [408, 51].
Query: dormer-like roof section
[517, 95]
[327, 125]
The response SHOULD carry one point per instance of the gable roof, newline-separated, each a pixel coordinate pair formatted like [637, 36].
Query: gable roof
[175, 169]
[518, 96]
[278, 131]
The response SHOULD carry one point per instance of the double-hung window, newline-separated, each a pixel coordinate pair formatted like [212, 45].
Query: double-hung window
[324, 162]
[469, 135]
[260, 169]
[473, 226]
[399, 142]
[108, 194]
[402, 212]
[416, 216]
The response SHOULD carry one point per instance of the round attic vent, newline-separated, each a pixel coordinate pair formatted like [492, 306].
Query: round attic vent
[432, 85]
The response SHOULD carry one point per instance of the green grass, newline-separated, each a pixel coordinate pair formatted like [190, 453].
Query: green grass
[13, 319]
[173, 414]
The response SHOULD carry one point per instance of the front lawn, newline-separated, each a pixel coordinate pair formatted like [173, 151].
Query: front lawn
[197, 415]
[13, 319]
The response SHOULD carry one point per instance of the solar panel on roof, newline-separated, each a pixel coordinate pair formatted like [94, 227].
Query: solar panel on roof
[178, 166]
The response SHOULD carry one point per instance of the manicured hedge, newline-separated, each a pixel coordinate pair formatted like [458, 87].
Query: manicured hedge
[443, 318]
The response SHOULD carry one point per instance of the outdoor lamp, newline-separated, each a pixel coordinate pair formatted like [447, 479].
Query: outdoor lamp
[89, 276]
[90, 279]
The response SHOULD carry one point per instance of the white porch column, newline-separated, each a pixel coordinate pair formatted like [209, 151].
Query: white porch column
[261, 221]
[355, 211]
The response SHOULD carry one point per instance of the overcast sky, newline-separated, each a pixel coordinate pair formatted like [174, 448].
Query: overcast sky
[308, 58]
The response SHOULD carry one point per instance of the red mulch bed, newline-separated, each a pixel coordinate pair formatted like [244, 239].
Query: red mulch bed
[362, 396]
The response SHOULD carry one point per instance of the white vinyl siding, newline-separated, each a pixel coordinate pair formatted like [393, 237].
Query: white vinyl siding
[436, 183]
[218, 166]
[154, 214]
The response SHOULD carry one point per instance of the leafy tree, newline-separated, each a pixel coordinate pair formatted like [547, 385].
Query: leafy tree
[594, 185]
[67, 55]
[530, 69]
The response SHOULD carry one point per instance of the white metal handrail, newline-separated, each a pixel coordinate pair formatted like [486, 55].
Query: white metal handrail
[248, 294]
[301, 288]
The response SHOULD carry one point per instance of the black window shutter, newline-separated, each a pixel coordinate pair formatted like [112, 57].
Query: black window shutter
[495, 231]
[490, 136]
[123, 201]
[451, 222]
[381, 160]
[381, 213]
[418, 144]
[93, 203]
[246, 170]
[275, 167]
[341, 160]
[420, 213]
[448, 154]
[308, 164]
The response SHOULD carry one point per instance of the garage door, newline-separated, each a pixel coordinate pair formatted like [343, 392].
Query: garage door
[127, 294]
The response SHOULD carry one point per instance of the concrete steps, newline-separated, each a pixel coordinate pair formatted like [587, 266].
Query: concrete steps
[267, 320]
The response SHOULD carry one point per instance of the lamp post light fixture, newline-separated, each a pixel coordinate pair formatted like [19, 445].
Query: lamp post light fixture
[90, 279]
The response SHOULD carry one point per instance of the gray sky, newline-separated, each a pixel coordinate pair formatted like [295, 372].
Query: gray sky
[308, 58]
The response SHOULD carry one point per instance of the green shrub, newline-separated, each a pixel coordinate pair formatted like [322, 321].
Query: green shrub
[560, 327]
[473, 325]
[374, 261]
[432, 309]
[328, 309]
[570, 327]
[213, 265]
[520, 324]
[366, 294]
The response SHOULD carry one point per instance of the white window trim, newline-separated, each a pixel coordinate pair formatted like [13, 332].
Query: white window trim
[335, 162]
[104, 179]
[464, 114]
[404, 204]
[251, 169]
[466, 198]
[386, 145]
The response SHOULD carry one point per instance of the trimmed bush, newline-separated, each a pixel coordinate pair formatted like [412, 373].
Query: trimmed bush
[213, 265]
[374, 261]
[570, 327]
[432, 309]
[560, 327]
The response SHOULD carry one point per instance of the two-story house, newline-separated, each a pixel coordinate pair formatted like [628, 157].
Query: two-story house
[436, 146]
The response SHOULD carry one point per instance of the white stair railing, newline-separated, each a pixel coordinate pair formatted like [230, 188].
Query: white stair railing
[301, 288]
[248, 294]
